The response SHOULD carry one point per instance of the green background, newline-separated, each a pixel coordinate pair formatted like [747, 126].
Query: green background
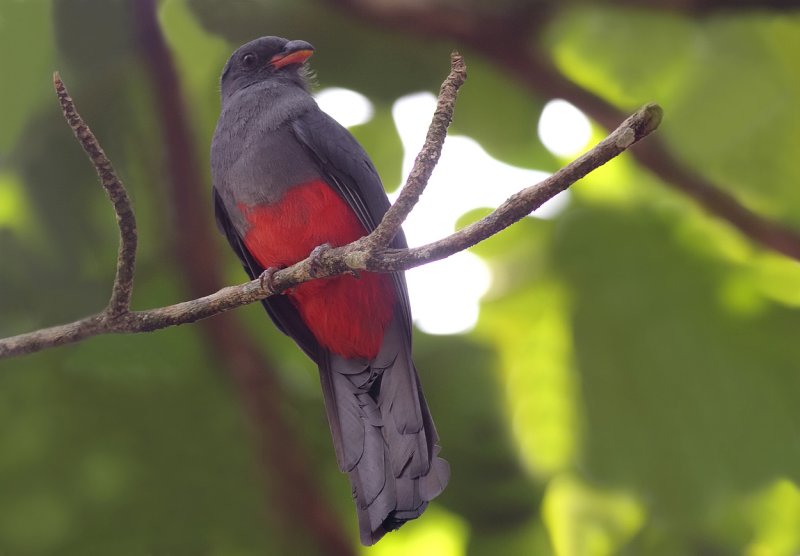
[632, 385]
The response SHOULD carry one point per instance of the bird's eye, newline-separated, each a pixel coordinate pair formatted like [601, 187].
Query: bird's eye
[249, 60]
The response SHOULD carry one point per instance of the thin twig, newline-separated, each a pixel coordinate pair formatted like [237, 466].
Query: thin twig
[522, 203]
[426, 160]
[122, 289]
[353, 256]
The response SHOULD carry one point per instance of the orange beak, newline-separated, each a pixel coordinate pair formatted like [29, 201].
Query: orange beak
[296, 57]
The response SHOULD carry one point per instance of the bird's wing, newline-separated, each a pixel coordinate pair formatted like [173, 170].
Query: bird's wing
[279, 307]
[348, 169]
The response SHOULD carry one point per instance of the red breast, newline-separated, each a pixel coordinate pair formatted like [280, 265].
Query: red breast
[347, 315]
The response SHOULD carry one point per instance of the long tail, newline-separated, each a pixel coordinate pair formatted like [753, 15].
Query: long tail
[384, 436]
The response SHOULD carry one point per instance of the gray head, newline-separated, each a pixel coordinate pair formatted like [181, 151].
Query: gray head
[268, 59]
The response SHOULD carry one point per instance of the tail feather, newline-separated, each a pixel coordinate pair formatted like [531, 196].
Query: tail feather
[432, 484]
[384, 436]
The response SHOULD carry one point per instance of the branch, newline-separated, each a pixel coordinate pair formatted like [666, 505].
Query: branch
[361, 254]
[122, 289]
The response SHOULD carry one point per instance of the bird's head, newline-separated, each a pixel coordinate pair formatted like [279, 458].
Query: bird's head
[268, 59]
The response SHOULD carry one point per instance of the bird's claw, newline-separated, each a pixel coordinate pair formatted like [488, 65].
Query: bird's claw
[267, 280]
[315, 259]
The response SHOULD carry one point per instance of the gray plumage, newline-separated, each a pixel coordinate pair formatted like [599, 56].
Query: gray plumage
[271, 136]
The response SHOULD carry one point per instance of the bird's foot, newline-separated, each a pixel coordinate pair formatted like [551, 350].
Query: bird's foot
[267, 279]
[315, 259]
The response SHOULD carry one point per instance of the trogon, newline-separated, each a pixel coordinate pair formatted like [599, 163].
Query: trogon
[288, 178]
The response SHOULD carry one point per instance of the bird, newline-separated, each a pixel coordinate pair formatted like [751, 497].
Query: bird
[288, 180]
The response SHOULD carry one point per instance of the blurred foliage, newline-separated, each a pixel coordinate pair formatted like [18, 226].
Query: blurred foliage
[631, 386]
